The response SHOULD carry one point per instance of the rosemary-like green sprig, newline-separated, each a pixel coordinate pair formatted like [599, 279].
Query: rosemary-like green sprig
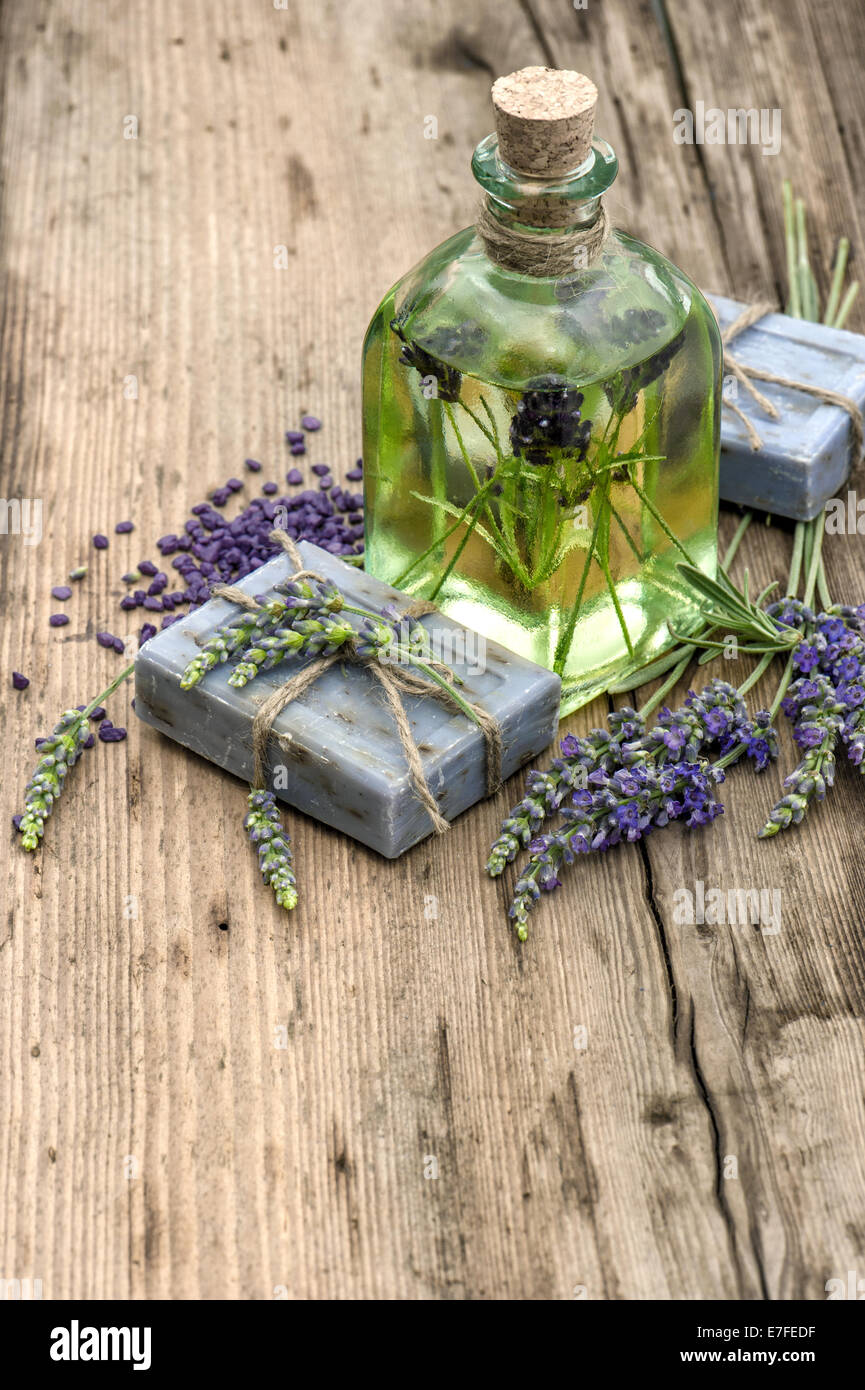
[679, 657]
[734, 612]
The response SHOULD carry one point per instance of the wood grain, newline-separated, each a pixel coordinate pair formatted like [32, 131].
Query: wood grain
[154, 1141]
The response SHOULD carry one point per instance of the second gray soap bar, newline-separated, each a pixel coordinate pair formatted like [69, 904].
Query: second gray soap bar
[342, 759]
[805, 455]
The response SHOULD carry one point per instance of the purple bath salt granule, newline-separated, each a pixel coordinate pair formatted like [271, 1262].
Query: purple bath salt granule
[233, 484]
[124, 527]
[146, 633]
[320, 469]
[100, 542]
[310, 422]
[105, 639]
[253, 465]
[88, 741]
[58, 619]
[119, 646]
[61, 591]
[97, 714]
[19, 682]
[298, 449]
[219, 550]
[108, 733]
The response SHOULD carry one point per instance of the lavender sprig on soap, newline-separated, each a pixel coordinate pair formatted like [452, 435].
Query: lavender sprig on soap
[306, 637]
[235, 636]
[302, 596]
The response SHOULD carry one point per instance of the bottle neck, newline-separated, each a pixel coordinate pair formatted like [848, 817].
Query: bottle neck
[539, 226]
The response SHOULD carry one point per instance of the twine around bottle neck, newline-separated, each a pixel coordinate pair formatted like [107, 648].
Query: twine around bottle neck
[542, 253]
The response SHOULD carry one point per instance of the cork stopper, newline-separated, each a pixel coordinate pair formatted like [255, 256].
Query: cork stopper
[545, 119]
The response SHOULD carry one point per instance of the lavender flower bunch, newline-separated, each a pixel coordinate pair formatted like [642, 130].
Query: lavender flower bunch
[59, 753]
[624, 781]
[545, 791]
[304, 625]
[826, 703]
[260, 640]
[624, 806]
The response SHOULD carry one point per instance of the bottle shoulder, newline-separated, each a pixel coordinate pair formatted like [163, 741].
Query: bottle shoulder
[511, 328]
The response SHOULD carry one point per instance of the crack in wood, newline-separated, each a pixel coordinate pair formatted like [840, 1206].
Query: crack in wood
[662, 940]
[723, 1205]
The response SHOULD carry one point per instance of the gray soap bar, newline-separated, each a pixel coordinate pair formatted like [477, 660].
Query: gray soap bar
[806, 453]
[338, 743]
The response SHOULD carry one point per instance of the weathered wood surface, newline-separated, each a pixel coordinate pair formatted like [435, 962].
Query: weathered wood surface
[153, 1139]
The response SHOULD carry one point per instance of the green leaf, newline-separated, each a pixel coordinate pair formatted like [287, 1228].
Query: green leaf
[491, 540]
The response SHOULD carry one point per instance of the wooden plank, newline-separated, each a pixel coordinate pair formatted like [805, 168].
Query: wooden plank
[155, 1140]
[660, 194]
[756, 59]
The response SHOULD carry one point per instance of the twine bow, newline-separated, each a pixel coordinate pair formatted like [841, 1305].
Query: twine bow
[394, 683]
[747, 375]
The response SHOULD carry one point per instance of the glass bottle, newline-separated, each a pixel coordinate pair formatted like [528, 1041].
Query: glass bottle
[541, 410]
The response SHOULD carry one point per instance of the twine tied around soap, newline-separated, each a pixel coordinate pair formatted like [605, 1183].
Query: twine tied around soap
[747, 375]
[535, 252]
[394, 684]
